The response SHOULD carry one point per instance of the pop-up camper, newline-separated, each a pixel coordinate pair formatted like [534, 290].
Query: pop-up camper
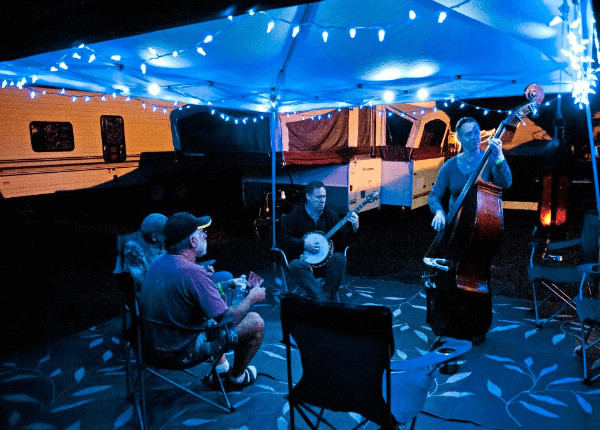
[67, 141]
[395, 150]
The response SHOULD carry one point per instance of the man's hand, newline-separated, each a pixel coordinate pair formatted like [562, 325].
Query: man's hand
[496, 155]
[257, 294]
[354, 221]
[238, 282]
[311, 247]
[439, 220]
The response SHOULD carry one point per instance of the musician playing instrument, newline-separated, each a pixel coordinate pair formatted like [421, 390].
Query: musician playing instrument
[455, 173]
[314, 216]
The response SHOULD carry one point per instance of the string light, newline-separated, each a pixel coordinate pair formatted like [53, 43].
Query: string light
[584, 73]
[582, 85]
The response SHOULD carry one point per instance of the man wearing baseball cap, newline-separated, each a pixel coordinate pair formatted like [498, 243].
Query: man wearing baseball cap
[179, 292]
[143, 248]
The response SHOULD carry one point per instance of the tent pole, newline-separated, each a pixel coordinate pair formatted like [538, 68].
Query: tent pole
[594, 154]
[274, 140]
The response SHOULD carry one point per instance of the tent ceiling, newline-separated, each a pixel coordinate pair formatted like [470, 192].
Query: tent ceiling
[484, 48]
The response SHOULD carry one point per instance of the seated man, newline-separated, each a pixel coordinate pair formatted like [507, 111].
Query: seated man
[314, 216]
[146, 245]
[179, 292]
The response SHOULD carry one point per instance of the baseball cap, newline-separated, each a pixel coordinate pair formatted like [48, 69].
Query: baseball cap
[181, 225]
[153, 223]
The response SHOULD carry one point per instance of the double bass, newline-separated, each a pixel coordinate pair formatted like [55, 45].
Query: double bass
[459, 302]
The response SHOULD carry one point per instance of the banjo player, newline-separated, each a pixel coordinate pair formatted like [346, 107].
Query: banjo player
[303, 248]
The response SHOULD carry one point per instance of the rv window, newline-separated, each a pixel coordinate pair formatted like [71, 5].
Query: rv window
[397, 130]
[51, 136]
[113, 138]
[433, 133]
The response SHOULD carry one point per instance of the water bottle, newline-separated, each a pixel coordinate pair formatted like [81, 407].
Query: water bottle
[240, 292]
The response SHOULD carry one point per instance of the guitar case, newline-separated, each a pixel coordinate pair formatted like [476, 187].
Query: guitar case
[457, 312]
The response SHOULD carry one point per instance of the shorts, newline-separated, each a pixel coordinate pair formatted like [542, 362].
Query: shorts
[208, 344]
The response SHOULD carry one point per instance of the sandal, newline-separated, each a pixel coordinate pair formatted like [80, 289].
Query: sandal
[249, 378]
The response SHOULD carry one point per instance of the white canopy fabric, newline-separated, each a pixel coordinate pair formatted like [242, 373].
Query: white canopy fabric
[483, 48]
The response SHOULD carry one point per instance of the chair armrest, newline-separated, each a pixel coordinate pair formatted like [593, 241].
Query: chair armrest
[449, 350]
[552, 246]
[282, 254]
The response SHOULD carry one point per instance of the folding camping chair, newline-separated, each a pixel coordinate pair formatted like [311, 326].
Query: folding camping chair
[588, 310]
[346, 351]
[139, 356]
[560, 280]
[282, 263]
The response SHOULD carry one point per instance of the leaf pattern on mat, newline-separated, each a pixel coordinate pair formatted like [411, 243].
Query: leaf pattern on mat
[522, 383]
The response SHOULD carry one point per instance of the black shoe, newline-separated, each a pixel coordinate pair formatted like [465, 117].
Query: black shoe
[249, 378]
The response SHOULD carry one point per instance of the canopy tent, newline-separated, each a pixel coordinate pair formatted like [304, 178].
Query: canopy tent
[334, 54]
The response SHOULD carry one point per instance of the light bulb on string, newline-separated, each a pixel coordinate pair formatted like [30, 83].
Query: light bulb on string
[325, 36]
[352, 33]
[270, 26]
[442, 17]
[295, 31]
[381, 34]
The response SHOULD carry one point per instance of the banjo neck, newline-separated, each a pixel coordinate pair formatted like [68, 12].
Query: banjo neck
[346, 218]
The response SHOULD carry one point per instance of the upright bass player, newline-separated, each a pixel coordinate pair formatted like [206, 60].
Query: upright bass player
[462, 305]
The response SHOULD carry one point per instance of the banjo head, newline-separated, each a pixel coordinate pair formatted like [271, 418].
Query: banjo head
[325, 248]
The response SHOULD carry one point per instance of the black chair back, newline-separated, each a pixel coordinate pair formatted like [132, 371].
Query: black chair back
[344, 351]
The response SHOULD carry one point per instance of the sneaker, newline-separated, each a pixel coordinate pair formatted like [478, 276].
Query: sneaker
[249, 378]
[223, 368]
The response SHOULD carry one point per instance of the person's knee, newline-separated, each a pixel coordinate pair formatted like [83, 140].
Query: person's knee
[299, 266]
[251, 325]
[337, 258]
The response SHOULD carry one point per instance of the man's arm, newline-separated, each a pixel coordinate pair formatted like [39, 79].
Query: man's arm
[502, 174]
[255, 295]
[439, 190]
[286, 240]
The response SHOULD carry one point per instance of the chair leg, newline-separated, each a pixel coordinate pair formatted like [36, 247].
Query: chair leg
[535, 305]
[567, 302]
[584, 349]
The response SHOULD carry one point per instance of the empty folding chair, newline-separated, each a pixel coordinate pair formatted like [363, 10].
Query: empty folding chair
[559, 279]
[588, 310]
[346, 351]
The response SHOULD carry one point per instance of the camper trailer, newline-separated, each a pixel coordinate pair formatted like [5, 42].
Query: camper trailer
[394, 150]
[54, 141]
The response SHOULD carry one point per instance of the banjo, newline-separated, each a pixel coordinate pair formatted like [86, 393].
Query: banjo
[324, 242]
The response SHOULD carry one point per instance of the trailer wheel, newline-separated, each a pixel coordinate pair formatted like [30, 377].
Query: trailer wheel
[180, 191]
[158, 192]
